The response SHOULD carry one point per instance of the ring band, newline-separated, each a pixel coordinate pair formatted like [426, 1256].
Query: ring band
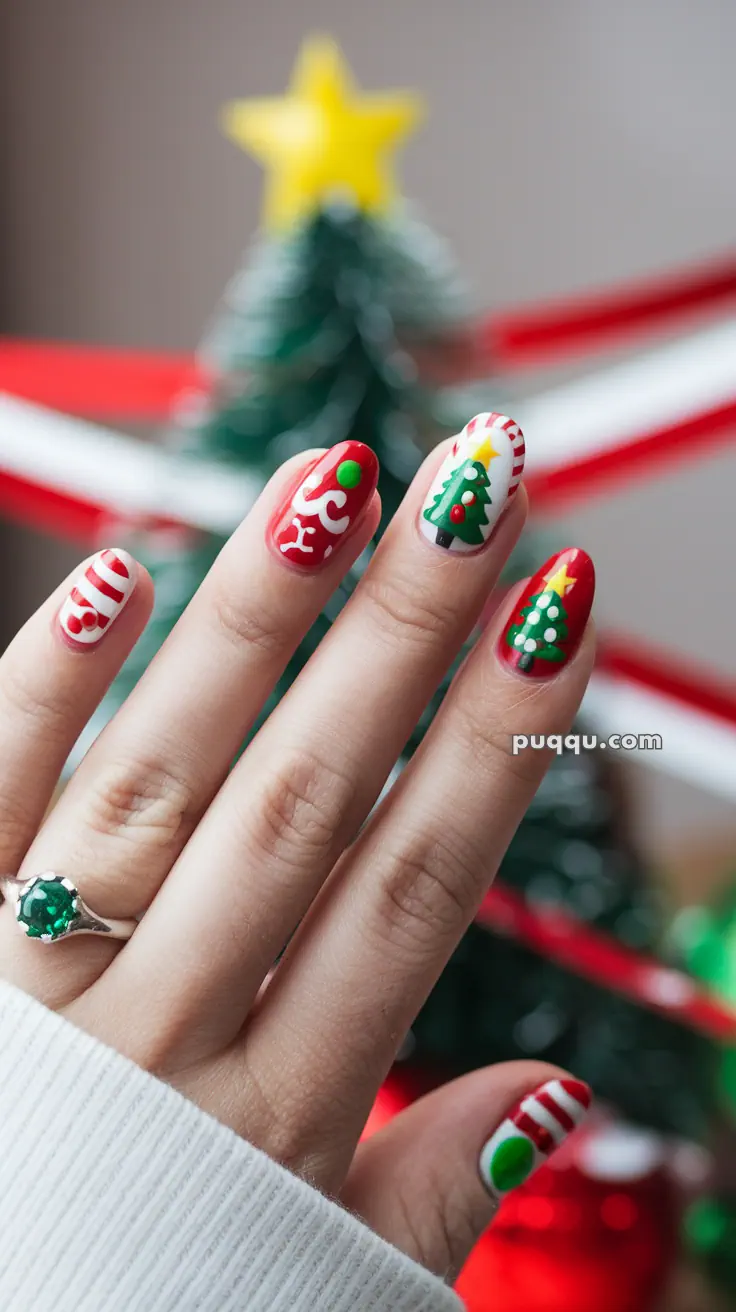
[48, 907]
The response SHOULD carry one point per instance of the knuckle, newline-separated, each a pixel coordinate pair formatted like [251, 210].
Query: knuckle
[301, 810]
[140, 801]
[428, 890]
[244, 626]
[404, 611]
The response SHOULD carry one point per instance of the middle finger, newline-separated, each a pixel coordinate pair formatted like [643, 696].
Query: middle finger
[306, 783]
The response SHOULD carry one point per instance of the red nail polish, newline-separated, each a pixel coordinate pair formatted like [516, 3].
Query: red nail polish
[326, 506]
[548, 623]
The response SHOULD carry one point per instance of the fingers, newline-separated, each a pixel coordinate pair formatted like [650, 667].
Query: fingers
[144, 784]
[365, 958]
[431, 1181]
[52, 676]
[308, 780]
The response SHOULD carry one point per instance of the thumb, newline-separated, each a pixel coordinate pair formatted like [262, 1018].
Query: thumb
[431, 1181]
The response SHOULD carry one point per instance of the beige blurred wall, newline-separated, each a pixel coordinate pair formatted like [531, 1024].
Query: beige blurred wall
[569, 143]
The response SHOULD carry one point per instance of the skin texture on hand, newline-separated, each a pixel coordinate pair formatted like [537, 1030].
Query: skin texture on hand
[286, 858]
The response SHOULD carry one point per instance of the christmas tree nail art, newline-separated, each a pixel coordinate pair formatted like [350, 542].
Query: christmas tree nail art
[326, 505]
[97, 598]
[549, 621]
[480, 474]
[530, 1133]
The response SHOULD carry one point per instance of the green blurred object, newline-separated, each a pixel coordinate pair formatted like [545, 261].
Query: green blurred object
[707, 938]
[710, 1233]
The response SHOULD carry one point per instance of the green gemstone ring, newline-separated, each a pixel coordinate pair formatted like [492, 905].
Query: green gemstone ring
[48, 907]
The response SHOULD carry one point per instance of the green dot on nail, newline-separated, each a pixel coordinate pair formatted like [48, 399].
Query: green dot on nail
[349, 473]
[511, 1163]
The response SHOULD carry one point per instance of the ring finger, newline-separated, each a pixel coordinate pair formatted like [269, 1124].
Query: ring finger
[143, 786]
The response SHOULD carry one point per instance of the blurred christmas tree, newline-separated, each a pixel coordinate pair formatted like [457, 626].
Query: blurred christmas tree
[349, 320]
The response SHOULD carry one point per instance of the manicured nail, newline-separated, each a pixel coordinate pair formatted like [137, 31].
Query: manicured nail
[327, 505]
[473, 484]
[531, 1131]
[97, 598]
[545, 630]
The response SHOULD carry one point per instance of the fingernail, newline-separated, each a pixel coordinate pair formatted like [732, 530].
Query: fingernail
[531, 1131]
[476, 479]
[549, 621]
[328, 503]
[97, 597]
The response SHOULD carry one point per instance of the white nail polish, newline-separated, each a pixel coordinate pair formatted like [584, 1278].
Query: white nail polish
[476, 479]
[97, 597]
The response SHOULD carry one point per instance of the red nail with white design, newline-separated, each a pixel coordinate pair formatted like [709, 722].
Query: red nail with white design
[97, 598]
[530, 1132]
[327, 504]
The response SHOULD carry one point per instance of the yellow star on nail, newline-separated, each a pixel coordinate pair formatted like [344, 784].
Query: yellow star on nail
[559, 582]
[484, 453]
[323, 139]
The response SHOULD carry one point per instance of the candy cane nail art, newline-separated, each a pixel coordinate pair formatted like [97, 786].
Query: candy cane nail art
[97, 598]
[530, 1133]
[326, 505]
[473, 484]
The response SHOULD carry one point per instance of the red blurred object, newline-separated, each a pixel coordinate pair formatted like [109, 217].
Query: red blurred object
[592, 1231]
[98, 381]
[557, 936]
[550, 489]
[594, 321]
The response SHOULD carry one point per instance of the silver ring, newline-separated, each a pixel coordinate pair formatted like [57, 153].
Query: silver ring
[48, 907]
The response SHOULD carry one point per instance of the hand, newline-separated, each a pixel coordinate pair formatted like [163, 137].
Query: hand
[230, 867]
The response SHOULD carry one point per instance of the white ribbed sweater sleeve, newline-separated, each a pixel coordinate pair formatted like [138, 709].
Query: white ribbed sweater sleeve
[119, 1195]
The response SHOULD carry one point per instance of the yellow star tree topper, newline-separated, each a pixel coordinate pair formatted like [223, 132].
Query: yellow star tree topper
[485, 452]
[323, 138]
[559, 582]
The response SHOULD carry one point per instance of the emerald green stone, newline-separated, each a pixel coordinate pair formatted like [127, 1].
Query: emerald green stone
[511, 1163]
[47, 909]
[349, 473]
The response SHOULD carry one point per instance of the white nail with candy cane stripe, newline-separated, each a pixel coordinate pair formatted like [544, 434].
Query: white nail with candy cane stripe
[480, 474]
[537, 1125]
[97, 597]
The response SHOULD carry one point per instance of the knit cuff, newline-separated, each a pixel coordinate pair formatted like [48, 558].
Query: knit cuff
[116, 1192]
